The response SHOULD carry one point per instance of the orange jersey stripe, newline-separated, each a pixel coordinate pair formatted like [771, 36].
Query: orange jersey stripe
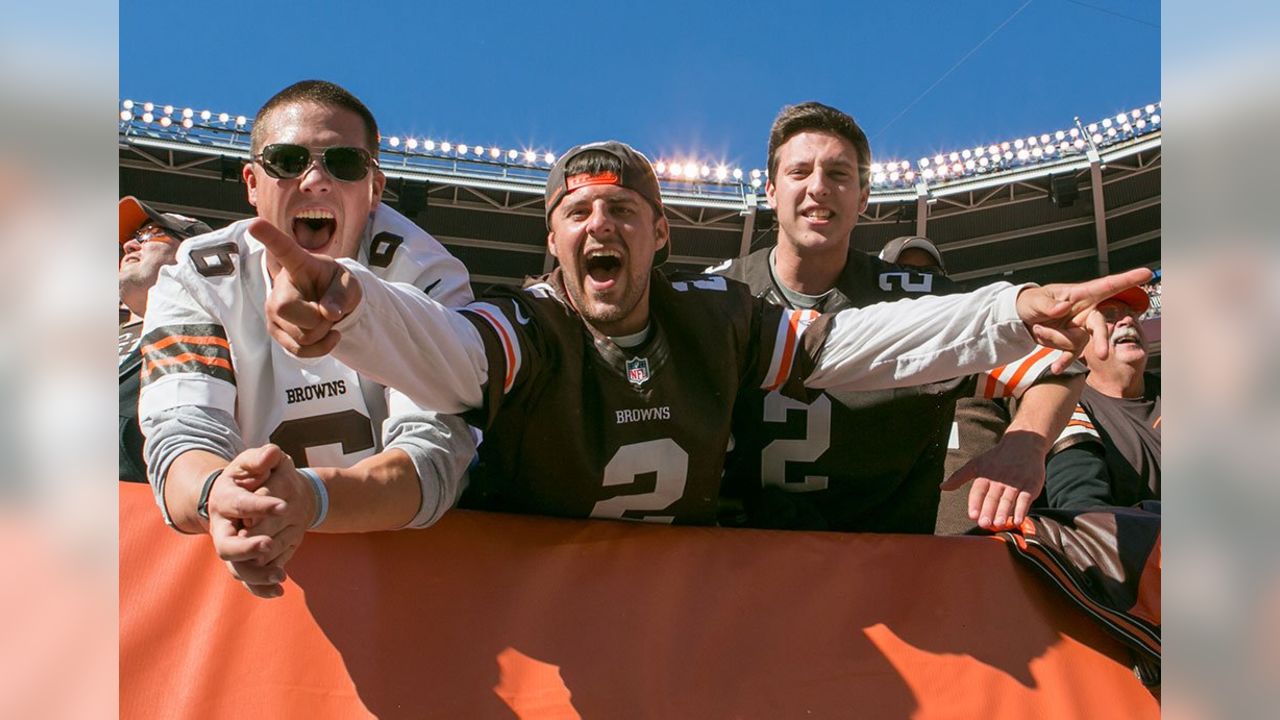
[788, 350]
[1026, 366]
[990, 390]
[192, 339]
[1080, 423]
[184, 358]
[507, 350]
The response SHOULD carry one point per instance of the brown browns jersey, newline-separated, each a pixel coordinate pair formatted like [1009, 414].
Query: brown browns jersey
[636, 433]
[851, 461]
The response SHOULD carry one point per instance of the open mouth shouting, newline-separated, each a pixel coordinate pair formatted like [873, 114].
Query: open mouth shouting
[314, 228]
[603, 268]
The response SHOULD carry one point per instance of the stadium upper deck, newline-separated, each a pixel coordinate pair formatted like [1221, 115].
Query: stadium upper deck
[1063, 205]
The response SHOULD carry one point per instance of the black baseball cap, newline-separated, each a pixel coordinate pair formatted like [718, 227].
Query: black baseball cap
[637, 175]
[134, 214]
[895, 247]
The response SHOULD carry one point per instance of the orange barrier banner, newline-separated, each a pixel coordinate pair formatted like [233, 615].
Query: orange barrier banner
[504, 616]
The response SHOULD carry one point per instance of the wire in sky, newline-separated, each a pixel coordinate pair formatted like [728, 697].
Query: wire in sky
[951, 70]
[1113, 12]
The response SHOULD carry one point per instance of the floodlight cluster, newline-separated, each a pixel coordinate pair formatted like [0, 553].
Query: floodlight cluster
[189, 121]
[944, 167]
[693, 170]
[446, 149]
[1021, 152]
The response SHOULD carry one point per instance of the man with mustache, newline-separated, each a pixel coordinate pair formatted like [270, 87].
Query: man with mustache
[1109, 454]
[241, 432]
[606, 389]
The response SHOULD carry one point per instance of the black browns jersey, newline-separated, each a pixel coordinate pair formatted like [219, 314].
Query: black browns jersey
[851, 461]
[632, 433]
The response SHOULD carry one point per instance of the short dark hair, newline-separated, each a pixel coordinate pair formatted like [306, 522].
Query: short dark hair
[808, 116]
[320, 92]
[593, 162]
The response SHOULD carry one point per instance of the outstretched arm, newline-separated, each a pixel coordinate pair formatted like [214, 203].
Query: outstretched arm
[930, 339]
[392, 333]
[1010, 475]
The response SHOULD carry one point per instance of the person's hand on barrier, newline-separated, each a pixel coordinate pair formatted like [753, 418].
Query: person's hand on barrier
[259, 511]
[309, 293]
[1064, 315]
[1006, 479]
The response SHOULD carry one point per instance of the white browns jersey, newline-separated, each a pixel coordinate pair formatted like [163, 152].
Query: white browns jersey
[205, 343]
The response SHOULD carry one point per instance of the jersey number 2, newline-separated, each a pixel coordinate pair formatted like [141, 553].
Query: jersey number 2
[816, 440]
[664, 458]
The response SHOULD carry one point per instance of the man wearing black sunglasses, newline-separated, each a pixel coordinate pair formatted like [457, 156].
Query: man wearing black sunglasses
[238, 429]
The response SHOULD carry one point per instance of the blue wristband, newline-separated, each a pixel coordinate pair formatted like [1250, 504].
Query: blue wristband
[322, 495]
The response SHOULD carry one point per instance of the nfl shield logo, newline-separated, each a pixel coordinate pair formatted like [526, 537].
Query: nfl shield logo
[638, 371]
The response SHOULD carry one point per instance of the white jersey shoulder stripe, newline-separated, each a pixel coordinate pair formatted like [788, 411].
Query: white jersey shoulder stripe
[1012, 380]
[791, 326]
[506, 334]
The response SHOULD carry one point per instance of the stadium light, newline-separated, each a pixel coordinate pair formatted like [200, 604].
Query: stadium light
[241, 120]
[1155, 119]
[1151, 109]
[462, 148]
[394, 141]
[205, 115]
[446, 146]
[530, 156]
[939, 160]
[148, 107]
[755, 182]
[147, 117]
[924, 162]
[966, 154]
[168, 109]
[495, 153]
[429, 145]
[513, 154]
[223, 118]
[187, 123]
[927, 174]
[722, 173]
[737, 173]
[126, 116]
[127, 104]
[549, 159]
[690, 171]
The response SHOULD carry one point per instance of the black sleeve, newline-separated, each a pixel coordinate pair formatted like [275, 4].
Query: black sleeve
[1077, 478]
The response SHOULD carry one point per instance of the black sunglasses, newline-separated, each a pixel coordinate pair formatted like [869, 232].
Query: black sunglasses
[286, 161]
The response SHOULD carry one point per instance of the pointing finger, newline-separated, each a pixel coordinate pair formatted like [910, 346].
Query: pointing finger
[283, 248]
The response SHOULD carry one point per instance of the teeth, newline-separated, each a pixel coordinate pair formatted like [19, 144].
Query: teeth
[315, 215]
[604, 253]
[818, 214]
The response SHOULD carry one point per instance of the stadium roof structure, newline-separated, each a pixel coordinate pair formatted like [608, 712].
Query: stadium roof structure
[1064, 205]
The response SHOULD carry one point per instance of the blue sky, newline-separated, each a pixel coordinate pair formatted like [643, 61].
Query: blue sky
[671, 78]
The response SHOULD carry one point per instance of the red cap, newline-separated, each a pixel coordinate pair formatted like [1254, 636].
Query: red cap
[1135, 297]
